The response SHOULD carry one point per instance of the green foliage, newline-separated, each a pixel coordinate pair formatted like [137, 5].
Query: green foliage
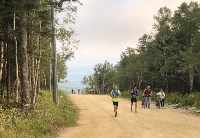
[102, 79]
[61, 67]
[43, 121]
[191, 100]
[168, 58]
[173, 98]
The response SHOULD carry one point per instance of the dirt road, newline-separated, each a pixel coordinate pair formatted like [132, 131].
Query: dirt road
[97, 121]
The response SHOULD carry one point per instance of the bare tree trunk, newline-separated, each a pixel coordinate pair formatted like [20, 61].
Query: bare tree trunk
[50, 75]
[191, 67]
[191, 77]
[8, 74]
[24, 56]
[3, 79]
[103, 85]
[1, 67]
[16, 84]
[38, 82]
[37, 68]
[32, 77]
[1, 58]
[140, 73]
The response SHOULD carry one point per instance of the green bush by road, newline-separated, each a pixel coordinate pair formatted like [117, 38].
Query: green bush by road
[41, 122]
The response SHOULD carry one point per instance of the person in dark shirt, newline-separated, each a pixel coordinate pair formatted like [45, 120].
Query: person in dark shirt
[147, 94]
[133, 95]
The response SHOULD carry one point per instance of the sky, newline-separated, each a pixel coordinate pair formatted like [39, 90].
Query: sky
[106, 28]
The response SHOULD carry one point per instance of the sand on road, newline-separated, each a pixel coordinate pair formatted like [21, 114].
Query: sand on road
[97, 120]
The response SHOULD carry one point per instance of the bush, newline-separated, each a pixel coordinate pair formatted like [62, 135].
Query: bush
[192, 100]
[43, 121]
[173, 98]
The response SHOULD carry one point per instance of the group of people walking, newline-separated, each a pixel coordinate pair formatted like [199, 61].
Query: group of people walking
[146, 102]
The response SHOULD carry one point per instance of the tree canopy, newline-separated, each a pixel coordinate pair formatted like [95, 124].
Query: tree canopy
[25, 46]
[169, 58]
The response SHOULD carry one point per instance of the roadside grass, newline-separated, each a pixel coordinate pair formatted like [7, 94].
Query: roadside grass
[42, 122]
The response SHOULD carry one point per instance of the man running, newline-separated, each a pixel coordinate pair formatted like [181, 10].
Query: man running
[134, 98]
[115, 93]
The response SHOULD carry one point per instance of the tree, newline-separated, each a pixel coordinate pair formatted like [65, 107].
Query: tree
[25, 87]
[163, 41]
[25, 52]
[102, 79]
[186, 25]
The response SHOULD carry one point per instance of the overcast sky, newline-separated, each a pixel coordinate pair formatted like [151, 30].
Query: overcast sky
[107, 27]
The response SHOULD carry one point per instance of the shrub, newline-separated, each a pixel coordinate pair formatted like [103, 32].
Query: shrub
[43, 121]
[173, 98]
[192, 99]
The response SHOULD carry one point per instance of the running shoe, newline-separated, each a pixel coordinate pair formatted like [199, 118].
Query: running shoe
[116, 114]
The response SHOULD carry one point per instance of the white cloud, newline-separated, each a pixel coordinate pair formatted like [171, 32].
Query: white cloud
[107, 27]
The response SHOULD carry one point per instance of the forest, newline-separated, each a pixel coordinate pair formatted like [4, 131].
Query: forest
[167, 58]
[26, 50]
[26, 32]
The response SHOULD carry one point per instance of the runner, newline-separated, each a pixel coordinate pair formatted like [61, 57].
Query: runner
[115, 93]
[134, 98]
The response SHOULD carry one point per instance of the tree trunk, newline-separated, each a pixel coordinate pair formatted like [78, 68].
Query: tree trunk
[8, 73]
[1, 59]
[32, 78]
[24, 56]
[140, 74]
[50, 75]
[16, 84]
[191, 77]
[3, 79]
[37, 68]
[1, 67]
[165, 73]
[103, 85]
